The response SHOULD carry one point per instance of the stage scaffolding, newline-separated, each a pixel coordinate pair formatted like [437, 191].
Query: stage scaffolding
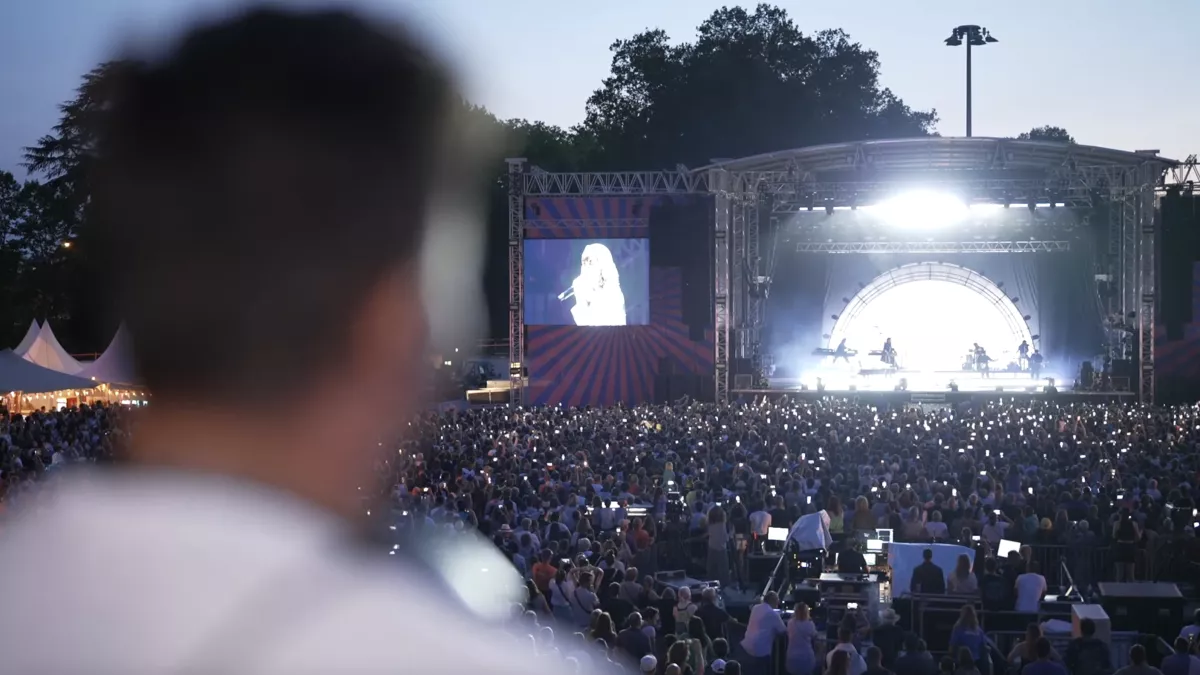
[793, 181]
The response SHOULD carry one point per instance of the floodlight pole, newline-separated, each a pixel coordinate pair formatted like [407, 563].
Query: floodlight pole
[973, 36]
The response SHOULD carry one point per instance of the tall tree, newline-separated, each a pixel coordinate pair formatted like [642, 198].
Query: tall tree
[751, 82]
[1047, 133]
[58, 281]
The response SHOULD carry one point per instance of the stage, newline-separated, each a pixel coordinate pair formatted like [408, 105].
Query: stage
[923, 388]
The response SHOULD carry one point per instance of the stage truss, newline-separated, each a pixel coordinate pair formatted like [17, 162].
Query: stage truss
[1128, 182]
[1034, 246]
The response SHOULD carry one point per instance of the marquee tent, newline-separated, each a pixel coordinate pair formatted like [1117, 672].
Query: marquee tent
[19, 374]
[115, 365]
[48, 353]
[27, 341]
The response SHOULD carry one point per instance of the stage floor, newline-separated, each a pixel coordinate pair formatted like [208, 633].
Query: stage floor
[926, 387]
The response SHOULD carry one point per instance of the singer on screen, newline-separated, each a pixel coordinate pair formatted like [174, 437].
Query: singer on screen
[598, 297]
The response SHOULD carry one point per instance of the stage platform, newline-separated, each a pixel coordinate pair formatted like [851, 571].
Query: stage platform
[930, 388]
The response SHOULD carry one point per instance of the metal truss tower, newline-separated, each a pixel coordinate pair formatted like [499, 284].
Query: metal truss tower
[516, 280]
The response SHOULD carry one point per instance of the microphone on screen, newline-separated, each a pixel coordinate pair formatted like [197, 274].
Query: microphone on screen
[567, 294]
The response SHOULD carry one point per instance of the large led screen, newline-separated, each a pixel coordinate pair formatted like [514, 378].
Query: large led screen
[587, 282]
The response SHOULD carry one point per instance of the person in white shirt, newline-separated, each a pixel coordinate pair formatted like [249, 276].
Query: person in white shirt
[1030, 588]
[760, 525]
[858, 665]
[997, 525]
[762, 629]
[264, 190]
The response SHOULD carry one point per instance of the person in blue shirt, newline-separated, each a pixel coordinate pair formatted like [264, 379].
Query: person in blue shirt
[1043, 665]
[1181, 662]
[967, 633]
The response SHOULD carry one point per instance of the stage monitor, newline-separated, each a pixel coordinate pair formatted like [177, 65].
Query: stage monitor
[777, 534]
[587, 282]
[1007, 546]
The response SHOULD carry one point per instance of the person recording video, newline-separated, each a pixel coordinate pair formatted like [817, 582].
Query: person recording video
[597, 290]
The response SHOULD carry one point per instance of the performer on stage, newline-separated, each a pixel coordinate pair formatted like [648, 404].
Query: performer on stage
[840, 352]
[1023, 355]
[982, 360]
[889, 353]
[1035, 364]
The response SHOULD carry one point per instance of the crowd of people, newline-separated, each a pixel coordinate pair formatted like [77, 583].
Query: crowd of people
[578, 498]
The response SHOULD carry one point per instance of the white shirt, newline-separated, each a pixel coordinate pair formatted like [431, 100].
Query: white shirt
[761, 629]
[858, 665]
[760, 522]
[187, 574]
[1030, 589]
[994, 533]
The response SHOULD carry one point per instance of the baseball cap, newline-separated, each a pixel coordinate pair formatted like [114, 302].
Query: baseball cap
[649, 664]
[717, 666]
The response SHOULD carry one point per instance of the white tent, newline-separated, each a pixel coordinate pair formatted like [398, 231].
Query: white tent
[28, 340]
[115, 365]
[48, 353]
[17, 374]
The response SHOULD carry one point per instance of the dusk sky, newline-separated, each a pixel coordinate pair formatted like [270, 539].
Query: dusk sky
[1112, 72]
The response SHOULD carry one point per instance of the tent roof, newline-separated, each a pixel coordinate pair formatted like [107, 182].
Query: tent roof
[48, 353]
[115, 365]
[30, 336]
[18, 374]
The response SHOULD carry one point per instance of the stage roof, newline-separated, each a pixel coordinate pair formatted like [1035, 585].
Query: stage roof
[828, 162]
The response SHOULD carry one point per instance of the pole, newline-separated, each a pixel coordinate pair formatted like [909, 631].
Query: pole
[968, 86]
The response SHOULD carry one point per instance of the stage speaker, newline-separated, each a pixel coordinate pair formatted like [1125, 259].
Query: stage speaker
[1143, 607]
[1180, 249]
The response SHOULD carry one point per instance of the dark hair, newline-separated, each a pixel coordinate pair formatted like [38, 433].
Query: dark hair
[927, 554]
[874, 655]
[720, 647]
[255, 186]
[1137, 654]
[1087, 627]
[1042, 648]
[733, 667]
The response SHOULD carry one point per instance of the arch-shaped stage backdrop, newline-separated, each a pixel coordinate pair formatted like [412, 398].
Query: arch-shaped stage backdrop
[737, 208]
[958, 306]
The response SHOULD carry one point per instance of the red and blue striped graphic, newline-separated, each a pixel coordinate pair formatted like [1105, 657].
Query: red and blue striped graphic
[604, 365]
[588, 217]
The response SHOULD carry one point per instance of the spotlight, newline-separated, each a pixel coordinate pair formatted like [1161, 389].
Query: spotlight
[1027, 317]
[924, 210]
[1015, 299]
[846, 300]
[1036, 337]
[999, 284]
[834, 317]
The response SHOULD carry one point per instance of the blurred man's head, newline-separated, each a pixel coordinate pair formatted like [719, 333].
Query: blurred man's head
[263, 193]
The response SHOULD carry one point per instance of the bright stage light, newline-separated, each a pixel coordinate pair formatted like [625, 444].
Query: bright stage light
[932, 324]
[923, 210]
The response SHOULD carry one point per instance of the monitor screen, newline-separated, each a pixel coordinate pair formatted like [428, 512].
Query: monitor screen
[870, 558]
[777, 534]
[884, 535]
[875, 545]
[587, 282]
[1007, 546]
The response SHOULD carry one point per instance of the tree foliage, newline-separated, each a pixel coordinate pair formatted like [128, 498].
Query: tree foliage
[1047, 133]
[748, 82]
[751, 82]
